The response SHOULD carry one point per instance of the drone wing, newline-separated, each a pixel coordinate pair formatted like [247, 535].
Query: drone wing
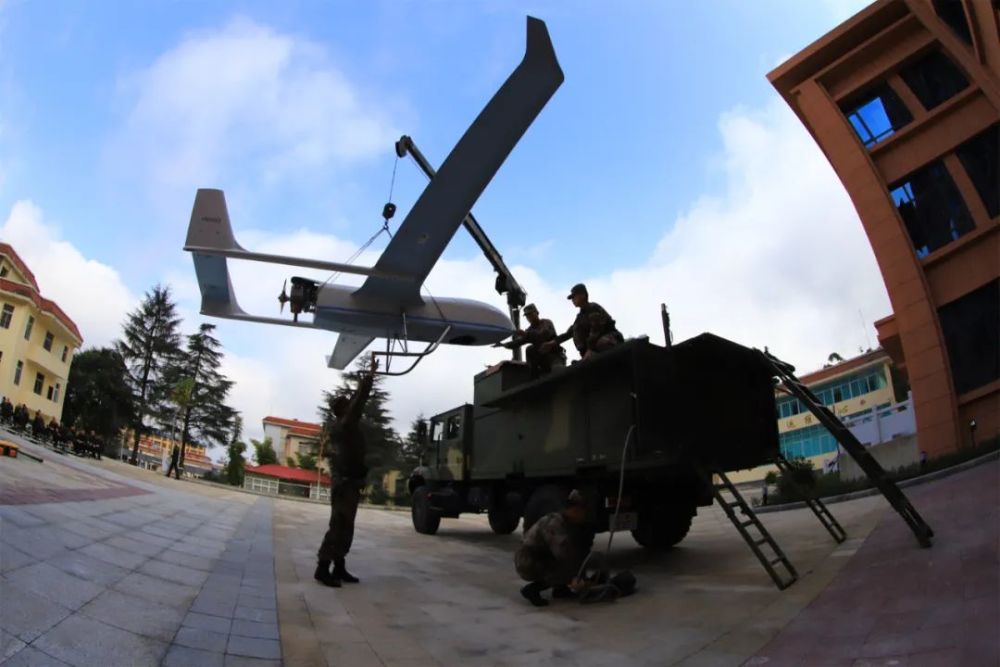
[466, 172]
[347, 348]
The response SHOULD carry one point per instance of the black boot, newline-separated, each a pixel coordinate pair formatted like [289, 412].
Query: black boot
[340, 572]
[323, 575]
[533, 594]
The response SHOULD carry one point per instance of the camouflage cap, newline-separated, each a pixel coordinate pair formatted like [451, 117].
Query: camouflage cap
[578, 288]
[575, 499]
[530, 308]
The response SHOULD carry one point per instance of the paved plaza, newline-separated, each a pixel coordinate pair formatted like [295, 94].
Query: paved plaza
[104, 564]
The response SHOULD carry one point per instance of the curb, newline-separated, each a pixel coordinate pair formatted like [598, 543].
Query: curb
[913, 481]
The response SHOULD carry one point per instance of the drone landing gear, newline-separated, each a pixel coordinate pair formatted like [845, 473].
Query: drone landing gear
[404, 351]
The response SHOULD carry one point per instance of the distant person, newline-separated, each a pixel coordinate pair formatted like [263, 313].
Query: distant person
[175, 458]
[6, 410]
[539, 332]
[551, 553]
[923, 461]
[348, 470]
[580, 331]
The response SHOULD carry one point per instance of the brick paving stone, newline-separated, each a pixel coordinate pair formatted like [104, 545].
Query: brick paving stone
[240, 661]
[25, 614]
[174, 573]
[12, 558]
[250, 647]
[32, 657]
[82, 566]
[82, 641]
[124, 559]
[54, 584]
[253, 629]
[258, 615]
[202, 639]
[135, 614]
[157, 590]
[183, 656]
[207, 622]
[9, 645]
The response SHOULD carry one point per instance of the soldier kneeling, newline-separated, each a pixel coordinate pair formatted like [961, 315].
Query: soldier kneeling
[550, 557]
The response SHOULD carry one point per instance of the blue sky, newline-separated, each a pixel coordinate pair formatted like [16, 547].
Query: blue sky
[653, 162]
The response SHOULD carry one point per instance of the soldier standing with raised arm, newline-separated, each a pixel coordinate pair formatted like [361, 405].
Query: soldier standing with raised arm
[348, 470]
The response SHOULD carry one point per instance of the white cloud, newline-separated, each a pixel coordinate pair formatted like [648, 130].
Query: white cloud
[91, 293]
[244, 95]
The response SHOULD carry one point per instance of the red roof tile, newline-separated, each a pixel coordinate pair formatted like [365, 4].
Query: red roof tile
[295, 423]
[43, 304]
[288, 474]
[7, 249]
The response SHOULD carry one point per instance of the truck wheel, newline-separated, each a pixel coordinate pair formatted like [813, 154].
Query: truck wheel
[425, 519]
[545, 499]
[662, 527]
[506, 514]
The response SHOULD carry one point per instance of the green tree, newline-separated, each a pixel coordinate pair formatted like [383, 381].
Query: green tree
[97, 395]
[235, 463]
[382, 441]
[200, 391]
[305, 461]
[263, 451]
[411, 448]
[149, 340]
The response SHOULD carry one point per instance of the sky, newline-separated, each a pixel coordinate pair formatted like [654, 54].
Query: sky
[666, 169]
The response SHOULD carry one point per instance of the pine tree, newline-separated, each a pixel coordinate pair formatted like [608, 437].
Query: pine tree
[200, 391]
[236, 464]
[382, 441]
[149, 340]
[411, 449]
[97, 396]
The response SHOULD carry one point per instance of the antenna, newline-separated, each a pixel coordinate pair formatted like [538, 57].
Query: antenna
[864, 328]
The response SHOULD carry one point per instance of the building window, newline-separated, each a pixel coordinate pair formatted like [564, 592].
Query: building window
[876, 114]
[56, 396]
[934, 79]
[6, 316]
[65, 353]
[39, 383]
[27, 327]
[17, 372]
[48, 341]
[3, 271]
[51, 391]
[952, 13]
[971, 327]
[931, 207]
[979, 157]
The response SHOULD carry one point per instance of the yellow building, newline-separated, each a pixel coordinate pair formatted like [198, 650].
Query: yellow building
[291, 437]
[37, 340]
[857, 390]
[155, 449]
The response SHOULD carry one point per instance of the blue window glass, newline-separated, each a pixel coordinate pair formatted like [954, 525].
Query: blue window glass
[932, 208]
[877, 114]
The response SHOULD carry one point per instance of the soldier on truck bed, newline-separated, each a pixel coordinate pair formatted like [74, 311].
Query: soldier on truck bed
[592, 319]
[535, 337]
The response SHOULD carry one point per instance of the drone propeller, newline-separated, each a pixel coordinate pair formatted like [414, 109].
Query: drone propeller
[283, 297]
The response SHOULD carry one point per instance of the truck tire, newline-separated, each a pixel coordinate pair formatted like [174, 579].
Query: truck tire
[663, 527]
[545, 499]
[425, 519]
[506, 514]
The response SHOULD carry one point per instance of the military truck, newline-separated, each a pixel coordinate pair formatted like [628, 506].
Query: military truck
[652, 420]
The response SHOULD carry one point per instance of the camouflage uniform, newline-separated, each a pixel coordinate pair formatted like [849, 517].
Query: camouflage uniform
[534, 336]
[347, 464]
[580, 331]
[549, 555]
[602, 334]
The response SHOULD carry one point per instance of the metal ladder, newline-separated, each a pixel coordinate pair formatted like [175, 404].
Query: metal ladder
[750, 521]
[815, 504]
[875, 472]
